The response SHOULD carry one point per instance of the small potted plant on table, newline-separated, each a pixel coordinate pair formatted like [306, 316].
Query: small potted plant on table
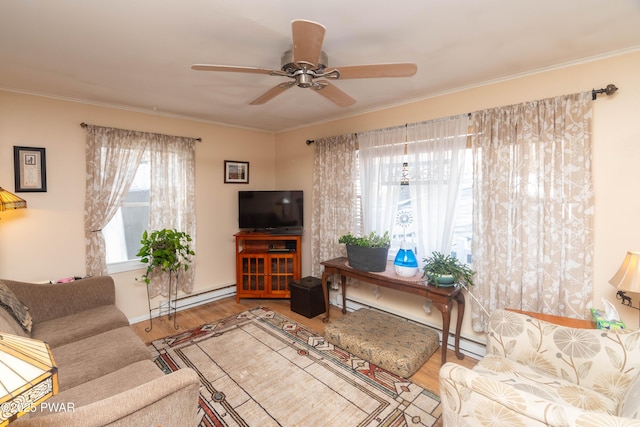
[369, 252]
[445, 270]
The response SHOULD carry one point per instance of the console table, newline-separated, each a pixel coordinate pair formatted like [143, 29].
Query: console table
[442, 297]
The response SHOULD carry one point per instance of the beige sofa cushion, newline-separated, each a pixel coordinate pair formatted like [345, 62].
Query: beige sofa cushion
[95, 356]
[74, 327]
[106, 386]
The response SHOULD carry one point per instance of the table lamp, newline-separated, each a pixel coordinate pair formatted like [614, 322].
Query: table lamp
[28, 376]
[627, 279]
[9, 200]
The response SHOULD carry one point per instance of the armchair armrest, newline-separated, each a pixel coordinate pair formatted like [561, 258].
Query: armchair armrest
[51, 301]
[167, 401]
[629, 407]
[469, 398]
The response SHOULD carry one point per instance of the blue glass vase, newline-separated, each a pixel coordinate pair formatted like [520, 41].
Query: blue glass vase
[406, 264]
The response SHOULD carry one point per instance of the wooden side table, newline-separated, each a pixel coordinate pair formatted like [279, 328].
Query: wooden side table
[443, 298]
[558, 320]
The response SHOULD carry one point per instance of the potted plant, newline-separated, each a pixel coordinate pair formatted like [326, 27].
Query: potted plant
[169, 250]
[369, 252]
[445, 270]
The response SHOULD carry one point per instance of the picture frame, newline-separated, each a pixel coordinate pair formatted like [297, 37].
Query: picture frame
[236, 172]
[30, 169]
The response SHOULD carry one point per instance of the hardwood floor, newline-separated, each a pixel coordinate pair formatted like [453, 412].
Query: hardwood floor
[426, 376]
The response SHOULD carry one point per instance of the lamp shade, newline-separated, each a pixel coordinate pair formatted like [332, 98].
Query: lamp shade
[9, 200]
[28, 376]
[627, 278]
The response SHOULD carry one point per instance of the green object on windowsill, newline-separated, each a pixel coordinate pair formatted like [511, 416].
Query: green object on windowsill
[367, 253]
[371, 240]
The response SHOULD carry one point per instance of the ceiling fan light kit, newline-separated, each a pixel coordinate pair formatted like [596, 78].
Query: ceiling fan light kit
[305, 63]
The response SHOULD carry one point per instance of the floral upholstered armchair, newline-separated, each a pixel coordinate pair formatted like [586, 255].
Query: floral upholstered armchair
[541, 374]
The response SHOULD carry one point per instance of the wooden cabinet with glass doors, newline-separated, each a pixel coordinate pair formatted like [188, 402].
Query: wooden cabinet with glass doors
[266, 264]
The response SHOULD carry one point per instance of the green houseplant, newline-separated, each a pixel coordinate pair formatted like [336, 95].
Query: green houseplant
[443, 270]
[168, 250]
[368, 252]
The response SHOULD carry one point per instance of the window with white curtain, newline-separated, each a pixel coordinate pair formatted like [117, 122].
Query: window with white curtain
[404, 227]
[122, 234]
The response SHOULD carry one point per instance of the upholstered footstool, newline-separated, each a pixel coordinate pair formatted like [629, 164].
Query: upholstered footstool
[394, 344]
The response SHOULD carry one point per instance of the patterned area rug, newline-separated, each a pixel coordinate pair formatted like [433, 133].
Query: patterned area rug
[259, 368]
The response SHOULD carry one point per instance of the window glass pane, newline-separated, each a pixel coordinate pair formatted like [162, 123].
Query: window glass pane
[404, 226]
[463, 230]
[122, 234]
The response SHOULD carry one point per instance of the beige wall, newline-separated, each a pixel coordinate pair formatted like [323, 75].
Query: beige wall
[616, 156]
[46, 241]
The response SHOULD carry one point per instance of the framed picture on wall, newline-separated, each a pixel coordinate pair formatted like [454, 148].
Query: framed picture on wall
[30, 169]
[236, 172]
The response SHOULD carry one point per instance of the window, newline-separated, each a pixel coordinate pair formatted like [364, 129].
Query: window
[404, 226]
[463, 228]
[123, 233]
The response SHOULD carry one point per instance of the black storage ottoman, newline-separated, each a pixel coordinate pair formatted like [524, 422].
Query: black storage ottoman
[306, 296]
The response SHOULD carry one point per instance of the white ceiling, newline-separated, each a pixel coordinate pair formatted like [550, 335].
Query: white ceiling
[137, 54]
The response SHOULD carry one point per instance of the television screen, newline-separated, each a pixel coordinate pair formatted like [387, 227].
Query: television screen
[267, 210]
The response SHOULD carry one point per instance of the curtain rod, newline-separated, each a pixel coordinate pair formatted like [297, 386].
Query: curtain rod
[610, 89]
[84, 125]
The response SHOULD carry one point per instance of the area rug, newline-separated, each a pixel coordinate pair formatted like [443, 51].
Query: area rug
[259, 368]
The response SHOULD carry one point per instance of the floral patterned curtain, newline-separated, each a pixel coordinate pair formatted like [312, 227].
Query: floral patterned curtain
[533, 207]
[113, 156]
[172, 200]
[334, 197]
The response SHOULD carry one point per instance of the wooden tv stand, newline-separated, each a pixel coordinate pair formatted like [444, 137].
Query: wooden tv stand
[266, 264]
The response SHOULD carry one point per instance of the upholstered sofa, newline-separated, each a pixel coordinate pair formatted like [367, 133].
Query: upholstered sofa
[105, 372]
[541, 374]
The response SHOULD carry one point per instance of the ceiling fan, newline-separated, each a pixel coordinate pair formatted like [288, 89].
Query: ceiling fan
[306, 65]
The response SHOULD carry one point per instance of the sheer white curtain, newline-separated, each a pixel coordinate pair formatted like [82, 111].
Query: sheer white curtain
[172, 199]
[113, 156]
[333, 198]
[533, 207]
[435, 156]
[381, 154]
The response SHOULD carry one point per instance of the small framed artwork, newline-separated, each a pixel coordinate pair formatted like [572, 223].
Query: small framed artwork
[30, 169]
[236, 172]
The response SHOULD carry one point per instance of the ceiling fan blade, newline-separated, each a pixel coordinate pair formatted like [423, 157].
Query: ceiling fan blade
[227, 68]
[378, 70]
[307, 41]
[333, 94]
[271, 93]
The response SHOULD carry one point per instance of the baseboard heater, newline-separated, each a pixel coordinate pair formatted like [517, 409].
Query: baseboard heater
[468, 347]
[193, 300]
[188, 301]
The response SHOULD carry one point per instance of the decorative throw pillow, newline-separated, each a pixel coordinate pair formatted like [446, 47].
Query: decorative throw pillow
[12, 304]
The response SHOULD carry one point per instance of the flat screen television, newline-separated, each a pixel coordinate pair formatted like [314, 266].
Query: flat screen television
[274, 211]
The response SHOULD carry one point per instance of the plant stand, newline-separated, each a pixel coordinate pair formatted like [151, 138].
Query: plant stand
[173, 302]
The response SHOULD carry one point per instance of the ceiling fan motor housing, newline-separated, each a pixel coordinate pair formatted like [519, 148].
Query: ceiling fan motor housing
[289, 66]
